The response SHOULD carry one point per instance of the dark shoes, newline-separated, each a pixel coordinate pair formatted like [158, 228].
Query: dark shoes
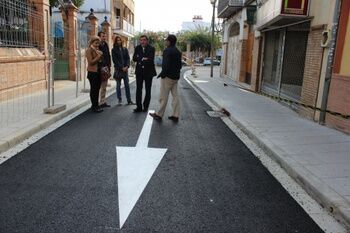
[97, 110]
[145, 110]
[137, 110]
[155, 116]
[131, 103]
[105, 105]
[174, 119]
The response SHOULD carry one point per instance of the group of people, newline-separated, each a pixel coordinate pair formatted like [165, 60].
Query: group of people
[99, 66]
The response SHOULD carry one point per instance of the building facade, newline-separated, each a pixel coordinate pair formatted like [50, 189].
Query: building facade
[196, 23]
[339, 94]
[283, 50]
[118, 13]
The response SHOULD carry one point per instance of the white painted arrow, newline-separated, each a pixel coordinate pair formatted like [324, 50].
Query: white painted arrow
[136, 166]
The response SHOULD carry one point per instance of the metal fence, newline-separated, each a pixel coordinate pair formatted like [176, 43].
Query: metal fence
[18, 23]
[31, 80]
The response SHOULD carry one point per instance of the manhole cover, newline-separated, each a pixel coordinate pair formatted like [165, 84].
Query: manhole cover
[216, 114]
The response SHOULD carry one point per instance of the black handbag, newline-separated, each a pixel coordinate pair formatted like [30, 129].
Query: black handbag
[119, 74]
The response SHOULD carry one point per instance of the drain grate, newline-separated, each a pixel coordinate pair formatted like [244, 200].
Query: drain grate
[216, 114]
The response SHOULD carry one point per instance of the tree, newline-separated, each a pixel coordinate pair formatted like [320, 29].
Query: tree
[156, 39]
[56, 3]
[200, 40]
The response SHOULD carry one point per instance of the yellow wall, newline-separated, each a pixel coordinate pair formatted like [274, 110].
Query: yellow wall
[322, 11]
[345, 63]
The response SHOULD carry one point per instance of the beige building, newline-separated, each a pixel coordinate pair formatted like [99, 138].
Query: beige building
[123, 19]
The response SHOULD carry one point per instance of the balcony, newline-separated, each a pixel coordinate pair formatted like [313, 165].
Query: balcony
[277, 13]
[124, 28]
[128, 27]
[226, 8]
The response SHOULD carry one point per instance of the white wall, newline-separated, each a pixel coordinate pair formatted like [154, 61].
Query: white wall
[97, 5]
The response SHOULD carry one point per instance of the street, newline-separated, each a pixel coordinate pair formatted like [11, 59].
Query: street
[207, 181]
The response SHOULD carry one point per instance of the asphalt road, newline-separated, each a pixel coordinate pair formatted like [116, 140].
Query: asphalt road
[208, 181]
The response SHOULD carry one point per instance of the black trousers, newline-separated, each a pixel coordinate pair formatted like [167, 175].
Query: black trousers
[95, 84]
[139, 86]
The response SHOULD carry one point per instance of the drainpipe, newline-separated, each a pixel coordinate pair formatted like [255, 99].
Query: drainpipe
[330, 62]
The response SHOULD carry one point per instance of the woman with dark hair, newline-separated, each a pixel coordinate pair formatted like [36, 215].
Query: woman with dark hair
[94, 58]
[121, 60]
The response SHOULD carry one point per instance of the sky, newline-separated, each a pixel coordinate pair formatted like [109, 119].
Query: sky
[168, 15]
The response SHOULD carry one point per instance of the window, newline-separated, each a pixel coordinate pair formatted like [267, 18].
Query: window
[234, 31]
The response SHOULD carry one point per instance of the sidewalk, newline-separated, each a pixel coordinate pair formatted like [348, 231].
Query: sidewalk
[317, 157]
[23, 117]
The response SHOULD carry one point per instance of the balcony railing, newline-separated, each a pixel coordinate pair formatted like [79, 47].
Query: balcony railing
[129, 28]
[226, 8]
[123, 27]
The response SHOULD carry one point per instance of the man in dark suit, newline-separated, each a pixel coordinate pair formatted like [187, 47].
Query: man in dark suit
[170, 75]
[145, 71]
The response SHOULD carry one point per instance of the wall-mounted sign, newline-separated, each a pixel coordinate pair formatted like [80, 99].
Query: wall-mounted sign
[295, 7]
[251, 14]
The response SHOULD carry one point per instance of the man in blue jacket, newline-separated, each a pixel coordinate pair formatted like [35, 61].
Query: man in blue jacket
[170, 75]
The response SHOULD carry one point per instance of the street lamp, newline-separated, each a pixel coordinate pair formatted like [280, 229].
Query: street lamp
[213, 2]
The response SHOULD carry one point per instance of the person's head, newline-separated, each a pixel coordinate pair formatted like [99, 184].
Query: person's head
[102, 36]
[118, 41]
[170, 40]
[144, 40]
[94, 42]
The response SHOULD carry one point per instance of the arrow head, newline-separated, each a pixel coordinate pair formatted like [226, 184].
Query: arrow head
[135, 168]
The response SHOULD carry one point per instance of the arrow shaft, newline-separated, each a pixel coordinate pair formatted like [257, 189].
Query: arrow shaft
[145, 132]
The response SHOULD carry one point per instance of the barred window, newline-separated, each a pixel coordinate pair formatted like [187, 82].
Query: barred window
[17, 22]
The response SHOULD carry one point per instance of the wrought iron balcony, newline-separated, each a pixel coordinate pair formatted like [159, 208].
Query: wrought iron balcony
[226, 8]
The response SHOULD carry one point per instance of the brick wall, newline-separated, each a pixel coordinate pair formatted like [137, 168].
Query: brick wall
[339, 101]
[313, 65]
[22, 71]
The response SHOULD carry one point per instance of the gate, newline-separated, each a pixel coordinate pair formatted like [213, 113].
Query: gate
[61, 71]
[284, 60]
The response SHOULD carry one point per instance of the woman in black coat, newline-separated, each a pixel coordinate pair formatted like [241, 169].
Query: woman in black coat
[121, 60]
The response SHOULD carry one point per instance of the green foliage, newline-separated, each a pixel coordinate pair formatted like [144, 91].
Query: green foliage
[77, 3]
[156, 39]
[200, 40]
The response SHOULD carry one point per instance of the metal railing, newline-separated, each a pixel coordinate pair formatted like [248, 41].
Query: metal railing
[30, 80]
[228, 7]
[128, 27]
[18, 22]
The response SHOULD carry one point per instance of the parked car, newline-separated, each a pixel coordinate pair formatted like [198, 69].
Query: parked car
[207, 62]
[158, 60]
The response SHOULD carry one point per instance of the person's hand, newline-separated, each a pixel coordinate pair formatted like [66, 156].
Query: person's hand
[99, 53]
[125, 69]
[145, 59]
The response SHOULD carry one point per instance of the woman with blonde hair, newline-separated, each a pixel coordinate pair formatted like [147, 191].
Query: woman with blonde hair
[121, 60]
[94, 59]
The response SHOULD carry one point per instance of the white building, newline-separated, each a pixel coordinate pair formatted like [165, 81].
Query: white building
[196, 23]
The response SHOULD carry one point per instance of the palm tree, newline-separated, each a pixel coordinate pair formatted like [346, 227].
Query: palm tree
[56, 3]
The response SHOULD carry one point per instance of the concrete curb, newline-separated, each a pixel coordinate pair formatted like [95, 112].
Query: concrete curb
[23, 134]
[321, 192]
